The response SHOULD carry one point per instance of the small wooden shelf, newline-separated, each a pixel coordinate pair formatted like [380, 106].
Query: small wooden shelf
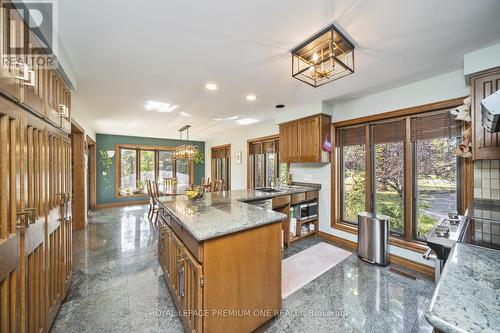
[309, 220]
[296, 238]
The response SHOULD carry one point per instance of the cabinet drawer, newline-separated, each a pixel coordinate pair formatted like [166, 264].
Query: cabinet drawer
[281, 201]
[195, 247]
[298, 197]
[312, 195]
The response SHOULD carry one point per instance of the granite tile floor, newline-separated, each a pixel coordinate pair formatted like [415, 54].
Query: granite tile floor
[118, 287]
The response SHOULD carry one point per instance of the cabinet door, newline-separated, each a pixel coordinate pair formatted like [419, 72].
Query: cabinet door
[309, 140]
[164, 250]
[51, 111]
[192, 292]
[11, 45]
[32, 97]
[486, 144]
[66, 101]
[288, 142]
[176, 267]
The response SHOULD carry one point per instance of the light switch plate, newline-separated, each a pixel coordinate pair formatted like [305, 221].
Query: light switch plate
[308, 177]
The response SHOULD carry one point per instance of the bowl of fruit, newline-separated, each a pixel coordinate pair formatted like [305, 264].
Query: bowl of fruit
[195, 193]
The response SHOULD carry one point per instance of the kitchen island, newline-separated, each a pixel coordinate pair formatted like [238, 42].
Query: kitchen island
[221, 259]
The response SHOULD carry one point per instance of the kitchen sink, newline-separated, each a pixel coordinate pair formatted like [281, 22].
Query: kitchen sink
[268, 190]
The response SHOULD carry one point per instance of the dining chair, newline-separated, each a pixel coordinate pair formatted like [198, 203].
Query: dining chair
[218, 185]
[169, 182]
[155, 189]
[151, 199]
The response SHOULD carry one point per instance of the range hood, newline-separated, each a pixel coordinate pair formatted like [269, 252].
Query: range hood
[490, 108]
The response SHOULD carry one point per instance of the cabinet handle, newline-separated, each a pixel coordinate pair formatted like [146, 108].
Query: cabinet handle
[23, 71]
[19, 224]
[31, 79]
[31, 212]
[181, 281]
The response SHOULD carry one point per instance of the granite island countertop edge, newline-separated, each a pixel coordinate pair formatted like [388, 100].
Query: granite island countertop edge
[274, 217]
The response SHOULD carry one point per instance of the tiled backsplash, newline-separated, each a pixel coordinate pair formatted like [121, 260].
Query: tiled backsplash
[487, 179]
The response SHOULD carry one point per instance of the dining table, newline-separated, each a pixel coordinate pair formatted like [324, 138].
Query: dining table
[172, 190]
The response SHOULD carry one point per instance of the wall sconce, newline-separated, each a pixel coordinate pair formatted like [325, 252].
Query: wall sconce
[111, 153]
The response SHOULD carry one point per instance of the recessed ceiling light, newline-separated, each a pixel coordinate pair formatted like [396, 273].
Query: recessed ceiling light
[251, 98]
[279, 106]
[231, 118]
[246, 121]
[218, 119]
[185, 114]
[159, 106]
[211, 86]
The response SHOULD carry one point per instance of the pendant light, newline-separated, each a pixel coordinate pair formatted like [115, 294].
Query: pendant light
[185, 152]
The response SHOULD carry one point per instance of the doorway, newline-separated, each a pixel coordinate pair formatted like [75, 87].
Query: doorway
[91, 175]
[78, 147]
[221, 165]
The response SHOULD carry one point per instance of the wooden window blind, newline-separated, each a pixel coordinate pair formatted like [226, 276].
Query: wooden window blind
[350, 136]
[391, 131]
[268, 147]
[256, 148]
[220, 153]
[435, 125]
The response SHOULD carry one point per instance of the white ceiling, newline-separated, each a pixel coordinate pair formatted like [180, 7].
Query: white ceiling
[128, 52]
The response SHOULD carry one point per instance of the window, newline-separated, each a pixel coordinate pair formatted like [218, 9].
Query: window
[436, 170]
[436, 182]
[165, 164]
[182, 172]
[147, 166]
[138, 164]
[221, 165]
[407, 160]
[263, 163]
[128, 170]
[353, 191]
[352, 169]
[270, 162]
[389, 183]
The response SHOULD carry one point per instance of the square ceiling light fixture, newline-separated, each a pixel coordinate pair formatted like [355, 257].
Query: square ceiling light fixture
[323, 58]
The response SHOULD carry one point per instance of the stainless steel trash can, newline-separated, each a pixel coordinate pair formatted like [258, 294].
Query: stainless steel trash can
[373, 238]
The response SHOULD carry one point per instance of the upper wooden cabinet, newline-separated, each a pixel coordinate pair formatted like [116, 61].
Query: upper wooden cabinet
[11, 44]
[486, 144]
[301, 140]
[32, 90]
[288, 142]
[26, 74]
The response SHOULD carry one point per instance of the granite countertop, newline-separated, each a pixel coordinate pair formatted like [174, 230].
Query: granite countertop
[226, 212]
[467, 297]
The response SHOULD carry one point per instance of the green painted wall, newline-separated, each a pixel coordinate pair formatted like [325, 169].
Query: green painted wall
[108, 142]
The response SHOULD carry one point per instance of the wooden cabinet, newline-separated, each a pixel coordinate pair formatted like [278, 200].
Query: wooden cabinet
[32, 89]
[288, 142]
[184, 276]
[191, 292]
[211, 276]
[301, 140]
[11, 46]
[486, 145]
[35, 223]
[26, 76]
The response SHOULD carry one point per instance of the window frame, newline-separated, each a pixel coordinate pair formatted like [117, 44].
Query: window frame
[464, 171]
[138, 149]
[251, 161]
[373, 187]
[459, 185]
[341, 183]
